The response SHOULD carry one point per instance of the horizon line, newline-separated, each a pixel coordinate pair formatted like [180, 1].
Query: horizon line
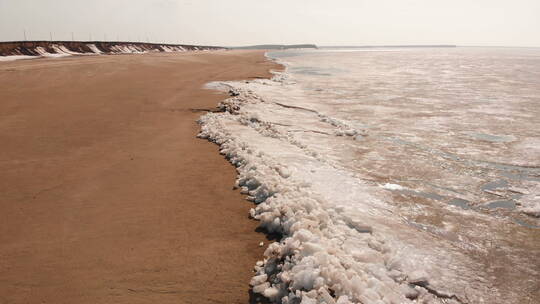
[284, 44]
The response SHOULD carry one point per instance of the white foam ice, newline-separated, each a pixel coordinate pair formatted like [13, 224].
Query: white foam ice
[342, 243]
[389, 186]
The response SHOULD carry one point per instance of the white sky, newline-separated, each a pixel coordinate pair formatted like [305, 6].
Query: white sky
[243, 22]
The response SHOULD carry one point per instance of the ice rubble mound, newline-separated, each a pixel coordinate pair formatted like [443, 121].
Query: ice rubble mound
[310, 264]
[326, 255]
[530, 202]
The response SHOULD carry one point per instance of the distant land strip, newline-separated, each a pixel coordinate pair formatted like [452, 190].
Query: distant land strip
[388, 46]
[313, 46]
[275, 47]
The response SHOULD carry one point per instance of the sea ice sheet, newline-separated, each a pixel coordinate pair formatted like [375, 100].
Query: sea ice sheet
[360, 179]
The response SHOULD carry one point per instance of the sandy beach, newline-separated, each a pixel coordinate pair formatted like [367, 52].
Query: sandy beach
[107, 196]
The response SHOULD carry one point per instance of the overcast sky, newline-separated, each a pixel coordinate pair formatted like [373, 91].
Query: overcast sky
[242, 22]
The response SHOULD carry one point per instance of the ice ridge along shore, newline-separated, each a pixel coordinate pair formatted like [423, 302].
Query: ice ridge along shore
[341, 241]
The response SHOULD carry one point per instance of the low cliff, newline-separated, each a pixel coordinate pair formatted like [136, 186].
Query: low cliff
[67, 48]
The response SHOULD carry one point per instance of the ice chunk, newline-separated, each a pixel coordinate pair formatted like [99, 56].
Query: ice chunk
[530, 202]
[283, 171]
[343, 300]
[389, 186]
[418, 277]
[258, 280]
[261, 287]
[271, 292]
[326, 296]
[306, 300]
[351, 132]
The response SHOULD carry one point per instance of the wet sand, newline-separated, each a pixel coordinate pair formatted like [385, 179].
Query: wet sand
[107, 196]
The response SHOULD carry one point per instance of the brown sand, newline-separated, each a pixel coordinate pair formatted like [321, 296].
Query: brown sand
[107, 196]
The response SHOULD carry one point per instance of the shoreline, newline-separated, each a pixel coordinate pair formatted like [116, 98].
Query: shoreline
[109, 195]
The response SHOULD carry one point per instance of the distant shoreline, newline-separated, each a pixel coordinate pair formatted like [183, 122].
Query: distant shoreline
[390, 46]
[15, 50]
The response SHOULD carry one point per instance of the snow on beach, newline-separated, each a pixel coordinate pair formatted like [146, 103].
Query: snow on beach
[17, 57]
[348, 236]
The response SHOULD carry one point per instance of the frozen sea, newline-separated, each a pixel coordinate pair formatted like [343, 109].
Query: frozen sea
[395, 175]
